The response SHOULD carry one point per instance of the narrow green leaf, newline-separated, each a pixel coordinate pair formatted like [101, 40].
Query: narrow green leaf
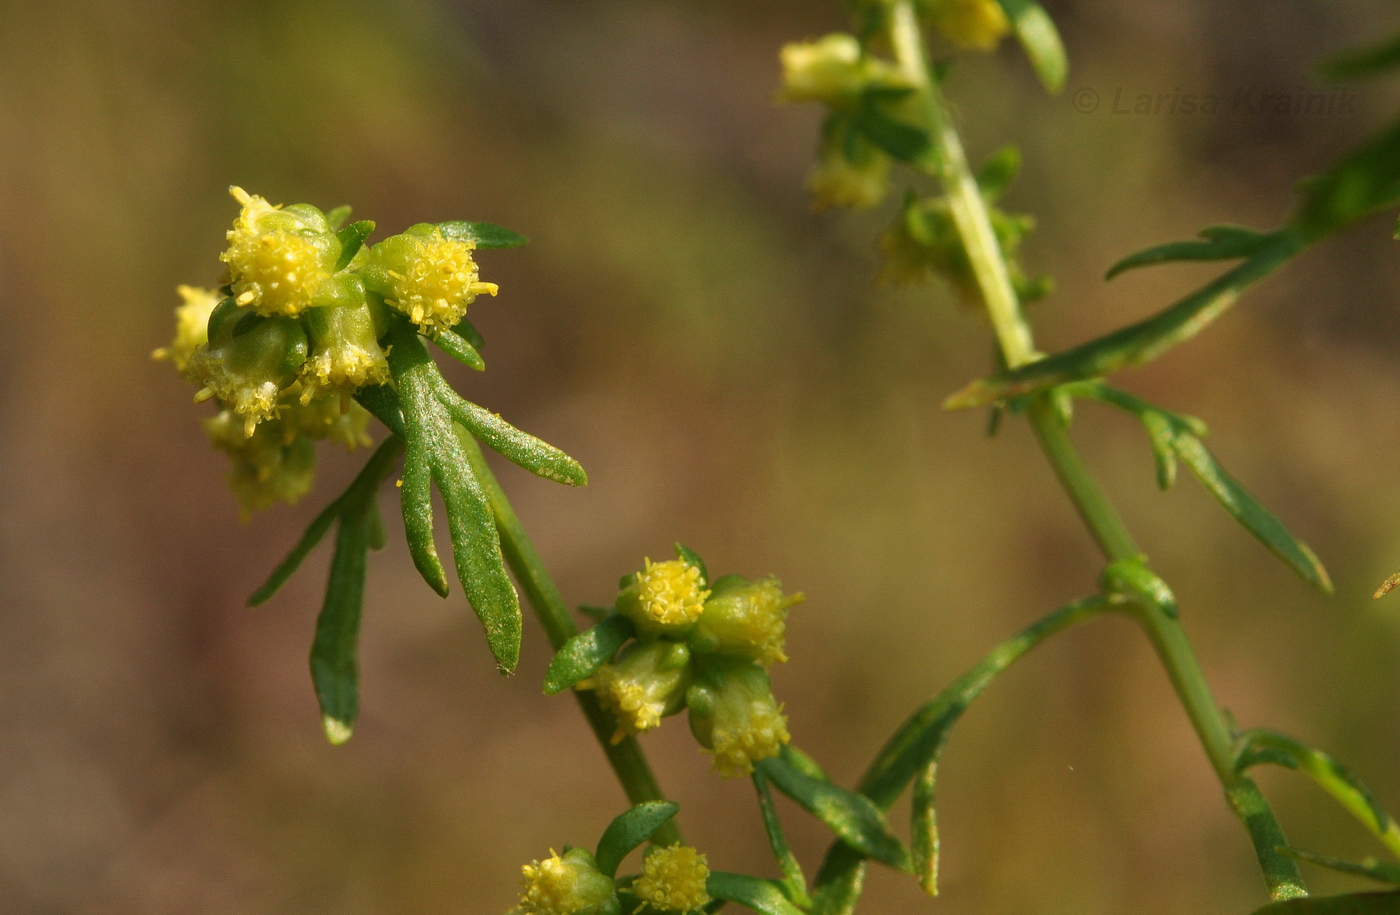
[1365, 181]
[853, 817]
[352, 238]
[924, 829]
[377, 537]
[483, 234]
[901, 141]
[1136, 343]
[336, 217]
[459, 348]
[1350, 904]
[1220, 243]
[1281, 872]
[416, 498]
[334, 663]
[538, 457]
[467, 331]
[1132, 579]
[763, 896]
[381, 401]
[998, 172]
[799, 760]
[839, 883]
[1370, 868]
[581, 656]
[629, 831]
[1246, 510]
[794, 881]
[1041, 41]
[690, 557]
[1364, 62]
[1161, 436]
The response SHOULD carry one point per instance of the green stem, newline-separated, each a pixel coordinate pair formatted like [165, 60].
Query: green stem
[626, 756]
[1013, 335]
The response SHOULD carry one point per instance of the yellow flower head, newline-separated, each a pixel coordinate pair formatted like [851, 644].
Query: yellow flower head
[745, 620]
[345, 352]
[278, 258]
[570, 884]
[427, 276]
[645, 684]
[673, 879]
[977, 25]
[665, 598]
[734, 715]
[831, 70]
[274, 464]
[248, 370]
[191, 326]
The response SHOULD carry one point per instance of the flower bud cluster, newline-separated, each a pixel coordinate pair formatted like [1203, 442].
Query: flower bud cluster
[296, 331]
[673, 881]
[701, 649]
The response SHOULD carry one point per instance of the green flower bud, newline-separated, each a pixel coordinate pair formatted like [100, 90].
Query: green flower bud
[248, 361]
[733, 715]
[568, 884]
[744, 620]
[425, 275]
[274, 464]
[345, 353]
[832, 70]
[278, 258]
[665, 598]
[673, 879]
[191, 326]
[645, 684]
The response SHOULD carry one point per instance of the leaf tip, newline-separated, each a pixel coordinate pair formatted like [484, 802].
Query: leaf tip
[1387, 586]
[337, 731]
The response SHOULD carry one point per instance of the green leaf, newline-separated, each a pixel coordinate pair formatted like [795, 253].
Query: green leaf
[839, 882]
[924, 829]
[352, 238]
[1133, 580]
[1350, 904]
[1369, 867]
[467, 331]
[1041, 41]
[998, 172]
[459, 348]
[1365, 181]
[335, 668]
[763, 896]
[853, 817]
[368, 479]
[383, 403]
[483, 234]
[799, 760]
[1136, 343]
[581, 656]
[1364, 62]
[376, 533]
[416, 499]
[1248, 512]
[538, 457]
[901, 141]
[1221, 243]
[794, 881]
[629, 831]
[690, 557]
[336, 217]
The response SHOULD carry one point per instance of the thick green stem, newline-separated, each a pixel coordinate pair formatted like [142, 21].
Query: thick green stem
[626, 756]
[1017, 347]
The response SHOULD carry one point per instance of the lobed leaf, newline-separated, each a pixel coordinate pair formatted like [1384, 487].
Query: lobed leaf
[1041, 41]
[483, 234]
[630, 830]
[1350, 904]
[581, 656]
[416, 501]
[352, 238]
[763, 896]
[536, 456]
[853, 817]
[1220, 243]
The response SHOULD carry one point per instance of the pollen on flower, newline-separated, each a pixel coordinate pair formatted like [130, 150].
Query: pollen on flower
[343, 367]
[563, 885]
[974, 24]
[437, 284]
[747, 621]
[670, 592]
[748, 735]
[191, 326]
[276, 262]
[644, 685]
[673, 879]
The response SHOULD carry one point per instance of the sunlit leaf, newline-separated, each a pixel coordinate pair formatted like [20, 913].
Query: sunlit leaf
[924, 829]
[581, 656]
[794, 881]
[1370, 868]
[334, 664]
[483, 234]
[692, 558]
[518, 447]
[336, 217]
[459, 348]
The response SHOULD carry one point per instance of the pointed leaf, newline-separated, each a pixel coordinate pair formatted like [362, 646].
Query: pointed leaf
[1221, 243]
[629, 831]
[416, 498]
[853, 817]
[1041, 41]
[762, 896]
[794, 881]
[336, 217]
[334, 664]
[924, 830]
[1350, 904]
[1364, 62]
[581, 656]
[483, 234]
[1370, 868]
[692, 558]
[538, 457]
[381, 401]
[1246, 510]
[352, 238]
[465, 329]
[459, 348]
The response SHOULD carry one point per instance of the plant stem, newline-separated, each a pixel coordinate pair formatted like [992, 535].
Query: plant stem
[1013, 335]
[626, 756]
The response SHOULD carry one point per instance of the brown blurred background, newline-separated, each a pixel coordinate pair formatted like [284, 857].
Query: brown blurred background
[722, 363]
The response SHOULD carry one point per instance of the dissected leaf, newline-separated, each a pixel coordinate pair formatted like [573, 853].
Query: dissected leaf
[352, 238]
[1220, 243]
[1370, 868]
[629, 831]
[334, 652]
[416, 499]
[1041, 40]
[581, 656]
[763, 896]
[851, 816]
[483, 234]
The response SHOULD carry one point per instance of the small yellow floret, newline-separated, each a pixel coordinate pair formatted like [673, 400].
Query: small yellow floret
[645, 684]
[673, 879]
[974, 24]
[830, 70]
[439, 283]
[562, 886]
[744, 736]
[670, 592]
[345, 367]
[191, 325]
[274, 267]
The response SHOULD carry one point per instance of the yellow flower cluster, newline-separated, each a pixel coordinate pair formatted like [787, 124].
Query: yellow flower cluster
[673, 879]
[645, 684]
[278, 259]
[570, 884]
[427, 276]
[977, 25]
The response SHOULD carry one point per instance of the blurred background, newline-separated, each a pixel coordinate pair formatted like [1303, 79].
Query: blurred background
[723, 363]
